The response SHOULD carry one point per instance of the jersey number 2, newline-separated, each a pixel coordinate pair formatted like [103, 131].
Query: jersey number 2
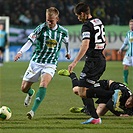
[100, 34]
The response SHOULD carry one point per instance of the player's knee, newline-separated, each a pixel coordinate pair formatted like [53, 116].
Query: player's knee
[101, 109]
[24, 88]
[82, 95]
[75, 90]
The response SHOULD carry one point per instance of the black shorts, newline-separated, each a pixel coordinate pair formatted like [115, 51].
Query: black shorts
[92, 71]
[2, 49]
[101, 100]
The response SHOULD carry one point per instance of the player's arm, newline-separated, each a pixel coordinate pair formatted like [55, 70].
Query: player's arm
[110, 107]
[83, 48]
[66, 41]
[68, 56]
[85, 42]
[26, 46]
[31, 38]
[123, 45]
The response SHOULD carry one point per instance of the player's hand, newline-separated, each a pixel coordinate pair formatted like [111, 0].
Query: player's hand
[68, 56]
[119, 51]
[71, 66]
[18, 55]
[124, 115]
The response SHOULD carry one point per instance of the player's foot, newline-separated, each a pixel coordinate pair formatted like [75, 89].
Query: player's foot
[79, 110]
[64, 72]
[126, 84]
[30, 114]
[28, 98]
[116, 99]
[76, 109]
[93, 121]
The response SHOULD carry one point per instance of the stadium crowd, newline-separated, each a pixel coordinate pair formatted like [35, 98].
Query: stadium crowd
[32, 12]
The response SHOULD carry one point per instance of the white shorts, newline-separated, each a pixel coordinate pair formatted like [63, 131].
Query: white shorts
[35, 70]
[128, 60]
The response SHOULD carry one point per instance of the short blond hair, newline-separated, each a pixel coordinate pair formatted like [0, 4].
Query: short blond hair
[131, 20]
[52, 11]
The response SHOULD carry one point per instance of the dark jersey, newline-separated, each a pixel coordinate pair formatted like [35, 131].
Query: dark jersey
[126, 92]
[104, 84]
[95, 63]
[93, 29]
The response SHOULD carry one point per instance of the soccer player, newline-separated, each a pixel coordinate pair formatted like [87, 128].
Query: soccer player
[125, 105]
[92, 46]
[112, 96]
[3, 43]
[128, 58]
[126, 102]
[47, 38]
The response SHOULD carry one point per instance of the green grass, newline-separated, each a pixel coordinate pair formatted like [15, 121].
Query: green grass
[53, 115]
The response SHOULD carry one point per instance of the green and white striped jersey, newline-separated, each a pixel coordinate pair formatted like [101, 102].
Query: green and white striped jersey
[128, 41]
[48, 43]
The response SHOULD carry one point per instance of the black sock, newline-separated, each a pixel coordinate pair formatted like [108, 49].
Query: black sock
[89, 103]
[75, 81]
[98, 93]
[86, 105]
[1, 60]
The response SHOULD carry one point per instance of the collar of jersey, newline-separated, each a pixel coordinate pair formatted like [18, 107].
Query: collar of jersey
[56, 26]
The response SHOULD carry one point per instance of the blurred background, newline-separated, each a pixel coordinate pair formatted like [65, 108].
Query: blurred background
[25, 15]
[110, 11]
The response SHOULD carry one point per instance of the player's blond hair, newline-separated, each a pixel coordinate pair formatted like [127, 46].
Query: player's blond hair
[131, 20]
[52, 11]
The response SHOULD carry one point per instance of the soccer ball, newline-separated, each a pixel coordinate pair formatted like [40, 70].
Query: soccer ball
[5, 113]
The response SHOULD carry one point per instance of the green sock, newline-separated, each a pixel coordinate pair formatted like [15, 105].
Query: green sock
[30, 92]
[125, 76]
[39, 97]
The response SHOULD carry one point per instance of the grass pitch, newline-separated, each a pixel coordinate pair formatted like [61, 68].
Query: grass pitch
[53, 115]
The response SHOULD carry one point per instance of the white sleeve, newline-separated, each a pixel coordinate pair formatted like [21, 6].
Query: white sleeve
[26, 46]
[124, 44]
[66, 41]
[32, 37]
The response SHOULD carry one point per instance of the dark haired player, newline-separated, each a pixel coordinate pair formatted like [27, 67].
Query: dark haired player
[115, 96]
[92, 46]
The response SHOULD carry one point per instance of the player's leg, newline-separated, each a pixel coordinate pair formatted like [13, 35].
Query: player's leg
[93, 93]
[91, 107]
[46, 77]
[75, 83]
[101, 109]
[93, 70]
[125, 74]
[90, 103]
[31, 75]
[94, 116]
[115, 95]
[26, 88]
[127, 61]
[1, 56]
[45, 80]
